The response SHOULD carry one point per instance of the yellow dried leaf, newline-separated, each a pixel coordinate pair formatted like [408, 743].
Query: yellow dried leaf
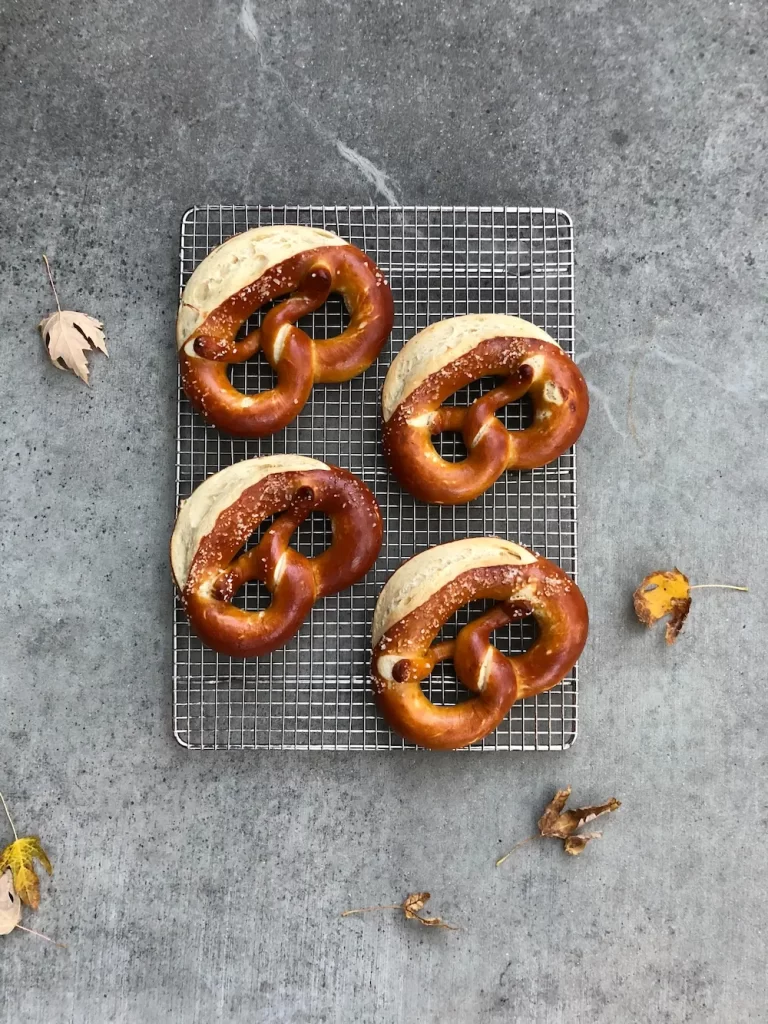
[664, 593]
[10, 904]
[20, 856]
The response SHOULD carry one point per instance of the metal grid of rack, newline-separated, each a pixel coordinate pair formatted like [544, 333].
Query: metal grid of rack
[440, 262]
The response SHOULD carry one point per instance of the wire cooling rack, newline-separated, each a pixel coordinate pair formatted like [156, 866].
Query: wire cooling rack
[440, 262]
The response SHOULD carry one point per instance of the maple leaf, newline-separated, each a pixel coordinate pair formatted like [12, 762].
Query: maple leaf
[664, 593]
[20, 856]
[411, 905]
[68, 335]
[557, 823]
[668, 592]
[10, 904]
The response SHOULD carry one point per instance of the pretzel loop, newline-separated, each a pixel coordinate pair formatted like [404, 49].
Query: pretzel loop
[237, 279]
[420, 598]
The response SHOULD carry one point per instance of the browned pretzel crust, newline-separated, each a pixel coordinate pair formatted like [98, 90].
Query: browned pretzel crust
[249, 270]
[213, 525]
[445, 357]
[426, 591]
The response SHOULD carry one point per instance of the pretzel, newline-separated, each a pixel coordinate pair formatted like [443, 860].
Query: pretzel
[438, 361]
[426, 591]
[238, 278]
[222, 513]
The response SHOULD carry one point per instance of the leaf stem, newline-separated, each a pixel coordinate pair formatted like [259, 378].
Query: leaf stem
[717, 586]
[50, 278]
[522, 842]
[40, 935]
[379, 906]
[8, 816]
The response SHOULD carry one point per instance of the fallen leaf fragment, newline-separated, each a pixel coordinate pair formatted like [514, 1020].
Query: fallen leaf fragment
[669, 593]
[558, 823]
[411, 905]
[20, 857]
[664, 593]
[68, 335]
[10, 904]
[576, 844]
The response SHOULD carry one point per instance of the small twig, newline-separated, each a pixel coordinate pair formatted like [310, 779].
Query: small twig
[8, 816]
[717, 586]
[31, 931]
[522, 842]
[380, 906]
[50, 278]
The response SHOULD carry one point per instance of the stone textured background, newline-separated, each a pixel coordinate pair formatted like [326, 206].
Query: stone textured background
[199, 888]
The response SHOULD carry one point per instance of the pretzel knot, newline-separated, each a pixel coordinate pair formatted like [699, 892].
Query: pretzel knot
[443, 358]
[426, 591]
[243, 274]
[213, 525]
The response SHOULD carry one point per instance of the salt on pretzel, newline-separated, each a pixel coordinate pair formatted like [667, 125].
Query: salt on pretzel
[250, 269]
[446, 356]
[426, 591]
[213, 525]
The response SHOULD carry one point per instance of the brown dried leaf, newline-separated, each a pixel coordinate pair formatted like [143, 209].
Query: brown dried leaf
[10, 904]
[664, 593]
[68, 336]
[557, 823]
[548, 820]
[410, 906]
[414, 903]
[576, 844]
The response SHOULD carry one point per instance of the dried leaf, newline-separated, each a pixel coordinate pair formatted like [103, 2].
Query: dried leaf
[414, 903]
[664, 593]
[20, 856]
[557, 823]
[552, 811]
[669, 593]
[68, 336]
[10, 904]
[410, 906]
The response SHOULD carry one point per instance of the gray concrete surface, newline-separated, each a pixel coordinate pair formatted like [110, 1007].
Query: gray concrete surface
[208, 888]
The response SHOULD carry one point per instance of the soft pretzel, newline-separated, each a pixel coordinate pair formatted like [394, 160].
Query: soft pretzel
[438, 361]
[222, 513]
[238, 278]
[426, 591]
